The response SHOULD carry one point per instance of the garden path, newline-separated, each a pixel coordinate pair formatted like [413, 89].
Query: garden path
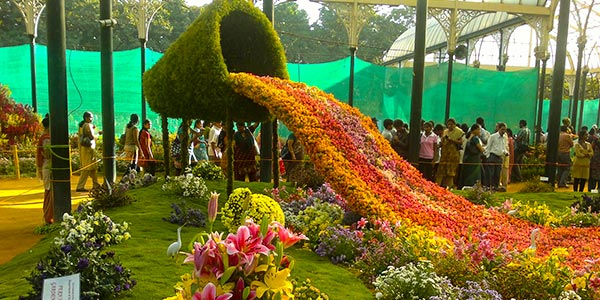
[21, 212]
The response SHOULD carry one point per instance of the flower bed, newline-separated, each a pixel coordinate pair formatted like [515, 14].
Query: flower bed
[346, 147]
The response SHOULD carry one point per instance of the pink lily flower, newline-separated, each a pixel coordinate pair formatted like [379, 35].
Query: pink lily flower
[361, 223]
[245, 244]
[205, 257]
[210, 293]
[287, 237]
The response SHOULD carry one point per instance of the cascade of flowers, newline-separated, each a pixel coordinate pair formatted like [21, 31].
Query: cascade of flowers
[359, 163]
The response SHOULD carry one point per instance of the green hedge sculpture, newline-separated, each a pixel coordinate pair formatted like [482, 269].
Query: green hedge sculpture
[191, 79]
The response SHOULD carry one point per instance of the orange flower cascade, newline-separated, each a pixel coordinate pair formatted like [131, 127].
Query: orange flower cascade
[359, 163]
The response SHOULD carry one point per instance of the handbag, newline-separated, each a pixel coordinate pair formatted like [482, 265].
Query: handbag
[86, 141]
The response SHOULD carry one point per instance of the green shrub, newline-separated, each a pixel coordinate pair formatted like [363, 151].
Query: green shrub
[306, 291]
[106, 196]
[536, 186]
[242, 205]
[208, 171]
[307, 176]
[479, 195]
[315, 219]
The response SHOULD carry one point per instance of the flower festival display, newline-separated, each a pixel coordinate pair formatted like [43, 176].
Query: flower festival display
[248, 264]
[361, 166]
[243, 205]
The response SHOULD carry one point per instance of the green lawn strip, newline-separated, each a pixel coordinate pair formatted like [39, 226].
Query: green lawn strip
[145, 252]
[336, 281]
[556, 201]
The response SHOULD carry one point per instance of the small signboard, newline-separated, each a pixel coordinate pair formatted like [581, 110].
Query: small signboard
[61, 288]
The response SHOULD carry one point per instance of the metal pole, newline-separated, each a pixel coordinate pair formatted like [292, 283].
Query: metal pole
[584, 71]
[266, 129]
[33, 77]
[57, 96]
[540, 110]
[449, 85]
[580, 48]
[558, 78]
[351, 83]
[500, 65]
[143, 63]
[416, 105]
[275, 149]
[108, 107]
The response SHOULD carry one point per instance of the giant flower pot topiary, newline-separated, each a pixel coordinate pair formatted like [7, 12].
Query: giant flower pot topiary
[191, 79]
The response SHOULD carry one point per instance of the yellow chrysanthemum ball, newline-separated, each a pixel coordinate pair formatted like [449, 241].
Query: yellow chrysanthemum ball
[243, 205]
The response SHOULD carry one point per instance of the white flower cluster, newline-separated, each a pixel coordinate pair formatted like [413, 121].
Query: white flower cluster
[411, 281]
[91, 228]
[568, 295]
[186, 185]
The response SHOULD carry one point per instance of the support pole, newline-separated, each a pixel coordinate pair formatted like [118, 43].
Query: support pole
[558, 78]
[266, 129]
[580, 47]
[34, 104]
[416, 105]
[275, 149]
[108, 97]
[143, 63]
[229, 151]
[584, 72]
[540, 109]
[57, 96]
[449, 84]
[351, 83]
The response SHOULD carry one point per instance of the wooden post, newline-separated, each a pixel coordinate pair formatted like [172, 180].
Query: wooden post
[16, 158]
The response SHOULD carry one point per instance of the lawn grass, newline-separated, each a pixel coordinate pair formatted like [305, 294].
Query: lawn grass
[145, 252]
[556, 201]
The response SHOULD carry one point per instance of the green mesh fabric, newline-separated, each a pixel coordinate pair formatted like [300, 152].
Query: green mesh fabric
[381, 92]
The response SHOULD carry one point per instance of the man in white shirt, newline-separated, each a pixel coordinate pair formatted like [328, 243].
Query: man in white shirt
[495, 151]
[214, 152]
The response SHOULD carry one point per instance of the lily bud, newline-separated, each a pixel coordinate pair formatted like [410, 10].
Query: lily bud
[213, 205]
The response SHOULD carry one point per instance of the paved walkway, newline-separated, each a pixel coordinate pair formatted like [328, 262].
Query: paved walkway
[21, 212]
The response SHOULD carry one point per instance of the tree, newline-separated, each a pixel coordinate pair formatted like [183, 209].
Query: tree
[381, 31]
[292, 25]
[330, 38]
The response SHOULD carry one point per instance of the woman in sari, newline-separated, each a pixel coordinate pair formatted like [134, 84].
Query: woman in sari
[452, 139]
[472, 159]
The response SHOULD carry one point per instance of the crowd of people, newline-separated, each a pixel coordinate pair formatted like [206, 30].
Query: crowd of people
[455, 155]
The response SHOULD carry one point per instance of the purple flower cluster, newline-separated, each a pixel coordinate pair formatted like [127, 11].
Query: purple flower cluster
[340, 244]
[473, 290]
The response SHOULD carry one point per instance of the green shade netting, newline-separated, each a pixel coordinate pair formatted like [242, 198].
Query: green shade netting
[381, 92]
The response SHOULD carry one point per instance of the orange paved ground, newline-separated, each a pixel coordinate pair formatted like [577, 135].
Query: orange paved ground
[21, 212]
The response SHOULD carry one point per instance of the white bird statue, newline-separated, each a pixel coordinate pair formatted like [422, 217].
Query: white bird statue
[173, 249]
[534, 235]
